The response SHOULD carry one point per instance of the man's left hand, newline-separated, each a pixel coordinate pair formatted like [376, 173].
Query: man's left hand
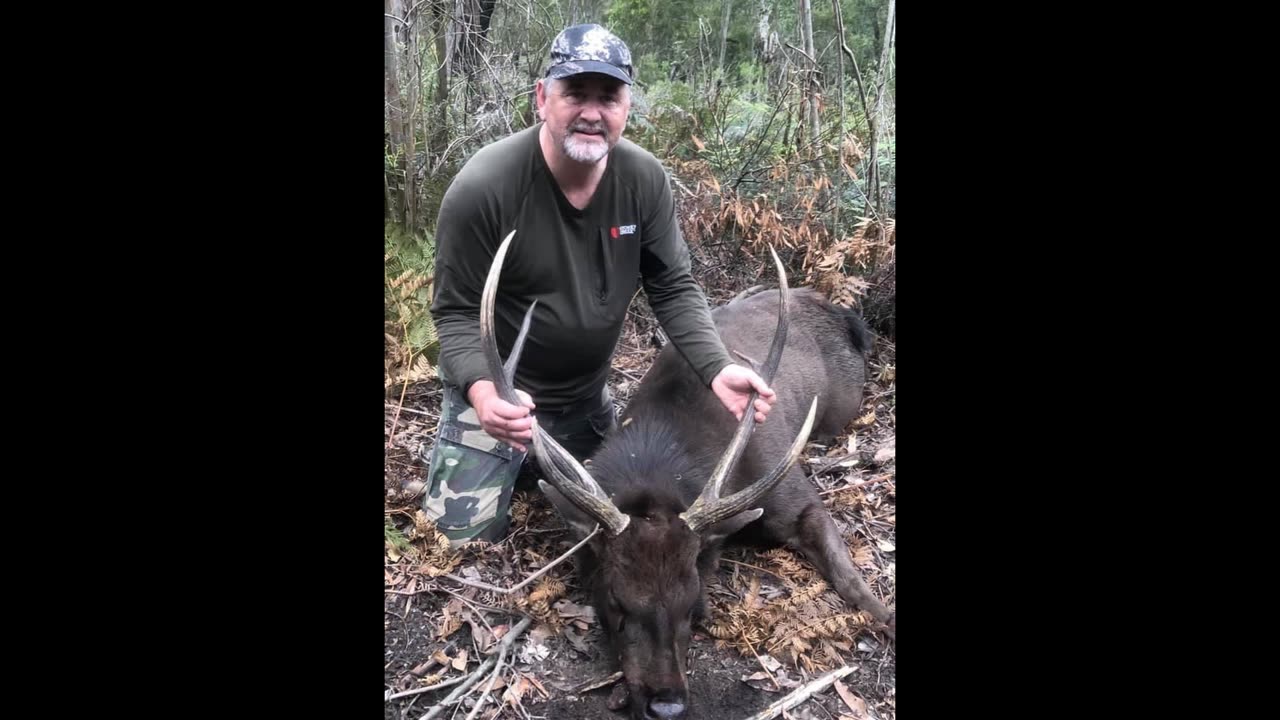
[734, 385]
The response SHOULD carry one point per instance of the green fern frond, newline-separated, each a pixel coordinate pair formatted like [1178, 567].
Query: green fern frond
[394, 536]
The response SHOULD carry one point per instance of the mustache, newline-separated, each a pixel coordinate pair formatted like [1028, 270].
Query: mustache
[588, 128]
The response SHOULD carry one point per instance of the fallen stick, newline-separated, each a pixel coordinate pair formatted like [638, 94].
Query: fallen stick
[531, 578]
[480, 672]
[760, 660]
[597, 684]
[801, 694]
[429, 688]
[460, 690]
[855, 486]
[502, 656]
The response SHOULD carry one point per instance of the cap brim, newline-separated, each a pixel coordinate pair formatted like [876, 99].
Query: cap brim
[582, 67]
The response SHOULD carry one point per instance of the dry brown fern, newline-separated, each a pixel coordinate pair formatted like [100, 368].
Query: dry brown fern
[431, 547]
[808, 627]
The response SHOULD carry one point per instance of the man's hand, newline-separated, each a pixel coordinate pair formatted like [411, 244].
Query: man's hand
[510, 423]
[734, 385]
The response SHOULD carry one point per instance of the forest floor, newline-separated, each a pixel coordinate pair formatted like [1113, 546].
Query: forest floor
[774, 624]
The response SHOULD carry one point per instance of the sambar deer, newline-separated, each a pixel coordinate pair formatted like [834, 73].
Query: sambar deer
[655, 484]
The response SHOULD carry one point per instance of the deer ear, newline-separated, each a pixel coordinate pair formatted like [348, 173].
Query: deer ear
[578, 521]
[723, 529]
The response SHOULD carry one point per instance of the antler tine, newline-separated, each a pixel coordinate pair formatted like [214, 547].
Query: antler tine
[711, 492]
[743, 499]
[551, 457]
[560, 467]
[509, 370]
[503, 378]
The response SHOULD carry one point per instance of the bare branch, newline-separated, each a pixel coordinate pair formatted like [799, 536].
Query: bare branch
[801, 694]
[391, 406]
[497, 670]
[429, 688]
[531, 578]
[597, 684]
[479, 673]
[802, 52]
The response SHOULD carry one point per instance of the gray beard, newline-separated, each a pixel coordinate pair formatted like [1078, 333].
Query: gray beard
[582, 152]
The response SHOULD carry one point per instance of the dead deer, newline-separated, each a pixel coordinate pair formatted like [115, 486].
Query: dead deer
[667, 496]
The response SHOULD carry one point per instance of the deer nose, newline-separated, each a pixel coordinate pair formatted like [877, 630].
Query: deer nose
[666, 710]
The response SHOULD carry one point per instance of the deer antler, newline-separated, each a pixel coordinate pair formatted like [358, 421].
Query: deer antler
[562, 470]
[709, 509]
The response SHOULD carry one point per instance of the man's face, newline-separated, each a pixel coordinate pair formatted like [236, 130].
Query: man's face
[585, 114]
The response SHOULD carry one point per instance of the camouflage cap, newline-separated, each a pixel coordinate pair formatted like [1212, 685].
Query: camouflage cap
[589, 49]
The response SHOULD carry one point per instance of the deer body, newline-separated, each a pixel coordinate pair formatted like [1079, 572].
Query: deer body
[668, 492]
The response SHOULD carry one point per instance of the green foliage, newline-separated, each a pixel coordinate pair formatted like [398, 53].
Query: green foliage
[409, 260]
[652, 28]
[743, 127]
[393, 537]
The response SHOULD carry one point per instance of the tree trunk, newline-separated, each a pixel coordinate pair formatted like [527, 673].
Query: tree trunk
[883, 71]
[397, 117]
[472, 20]
[724, 37]
[765, 50]
[839, 171]
[413, 106]
[806, 31]
[440, 29]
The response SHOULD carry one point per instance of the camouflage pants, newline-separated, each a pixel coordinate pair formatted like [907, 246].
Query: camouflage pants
[472, 474]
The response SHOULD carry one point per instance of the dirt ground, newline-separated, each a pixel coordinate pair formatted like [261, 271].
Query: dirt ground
[437, 629]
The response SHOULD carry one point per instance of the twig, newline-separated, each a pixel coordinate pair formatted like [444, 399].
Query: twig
[626, 374]
[415, 7]
[872, 481]
[597, 684]
[680, 185]
[407, 409]
[447, 150]
[482, 606]
[479, 673]
[801, 694]
[391, 436]
[497, 670]
[760, 660]
[802, 52]
[828, 466]
[531, 578]
[764, 133]
[429, 688]
[754, 567]
[433, 588]
[823, 709]
[479, 614]
[520, 707]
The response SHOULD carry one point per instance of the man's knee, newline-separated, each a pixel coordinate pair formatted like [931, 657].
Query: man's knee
[471, 476]
[469, 492]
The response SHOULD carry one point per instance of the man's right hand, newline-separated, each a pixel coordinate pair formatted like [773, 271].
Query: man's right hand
[513, 424]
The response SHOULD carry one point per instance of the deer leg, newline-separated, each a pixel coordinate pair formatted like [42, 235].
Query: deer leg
[817, 538]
